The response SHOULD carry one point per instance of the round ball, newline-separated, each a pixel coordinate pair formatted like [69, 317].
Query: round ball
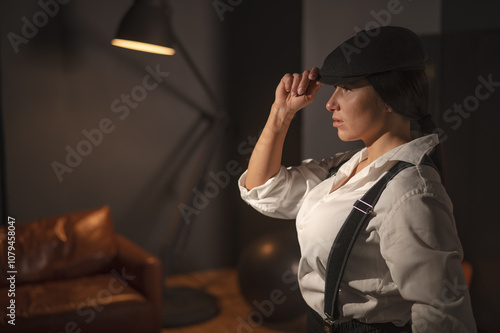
[267, 276]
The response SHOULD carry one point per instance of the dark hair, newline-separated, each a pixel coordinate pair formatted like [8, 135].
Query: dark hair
[407, 93]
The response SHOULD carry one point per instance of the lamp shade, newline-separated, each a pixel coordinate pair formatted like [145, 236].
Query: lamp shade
[146, 27]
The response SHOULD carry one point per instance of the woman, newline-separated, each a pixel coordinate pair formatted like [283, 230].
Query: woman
[403, 273]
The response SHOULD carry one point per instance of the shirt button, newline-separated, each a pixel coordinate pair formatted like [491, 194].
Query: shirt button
[301, 227]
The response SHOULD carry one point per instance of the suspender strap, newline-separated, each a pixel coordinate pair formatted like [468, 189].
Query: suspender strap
[345, 239]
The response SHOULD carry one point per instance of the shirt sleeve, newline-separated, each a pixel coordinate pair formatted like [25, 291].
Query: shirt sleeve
[420, 245]
[282, 195]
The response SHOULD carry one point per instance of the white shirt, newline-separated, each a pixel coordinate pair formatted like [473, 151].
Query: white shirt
[405, 262]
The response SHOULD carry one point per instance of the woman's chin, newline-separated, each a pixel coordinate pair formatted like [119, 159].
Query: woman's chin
[342, 135]
[345, 136]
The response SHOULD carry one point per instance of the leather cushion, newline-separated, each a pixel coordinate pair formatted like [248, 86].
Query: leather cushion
[66, 246]
[82, 300]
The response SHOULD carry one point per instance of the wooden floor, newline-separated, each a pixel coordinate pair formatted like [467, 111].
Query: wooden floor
[234, 310]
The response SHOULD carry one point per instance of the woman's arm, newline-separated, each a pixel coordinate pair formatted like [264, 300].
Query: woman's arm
[423, 252]
[293, 93]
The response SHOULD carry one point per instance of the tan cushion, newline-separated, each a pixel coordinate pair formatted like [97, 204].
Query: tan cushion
[65, 246]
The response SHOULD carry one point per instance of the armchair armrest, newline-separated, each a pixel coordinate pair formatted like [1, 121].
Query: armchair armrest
[143, 271]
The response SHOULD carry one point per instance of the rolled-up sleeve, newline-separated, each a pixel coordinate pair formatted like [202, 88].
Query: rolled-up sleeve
[420, 245]
[282, 195]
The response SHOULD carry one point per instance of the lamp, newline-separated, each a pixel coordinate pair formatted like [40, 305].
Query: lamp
[146, 27]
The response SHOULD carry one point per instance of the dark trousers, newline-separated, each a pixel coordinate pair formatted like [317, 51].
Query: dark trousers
[315, 325]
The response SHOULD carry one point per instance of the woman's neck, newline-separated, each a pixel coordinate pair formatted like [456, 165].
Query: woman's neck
[385, 143]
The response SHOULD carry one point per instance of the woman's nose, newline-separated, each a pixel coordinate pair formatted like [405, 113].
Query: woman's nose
[332, 104]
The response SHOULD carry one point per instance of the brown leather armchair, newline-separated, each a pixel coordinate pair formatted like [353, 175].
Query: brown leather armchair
[75, 274]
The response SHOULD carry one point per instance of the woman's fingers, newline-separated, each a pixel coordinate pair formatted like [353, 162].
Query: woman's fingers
[300, 84]
[306, 80]
[295, 84]
[304, 83]
[287, 81]
[313, 74]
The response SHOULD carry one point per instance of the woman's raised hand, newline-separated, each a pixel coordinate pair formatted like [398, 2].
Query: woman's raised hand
[296, 91]
[292, 94]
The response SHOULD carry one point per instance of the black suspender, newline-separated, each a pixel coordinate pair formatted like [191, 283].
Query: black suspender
[346, 237]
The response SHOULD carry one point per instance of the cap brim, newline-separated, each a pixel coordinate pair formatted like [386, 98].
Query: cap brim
[336, 81]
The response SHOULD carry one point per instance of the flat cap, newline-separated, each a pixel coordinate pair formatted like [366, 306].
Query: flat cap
[373, 51]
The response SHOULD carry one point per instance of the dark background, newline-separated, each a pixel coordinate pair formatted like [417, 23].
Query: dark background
[64, 80]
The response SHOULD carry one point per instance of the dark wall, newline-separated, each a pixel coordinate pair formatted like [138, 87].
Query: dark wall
[470, 118]
[264, 43]
[465, 15]
[63, 80]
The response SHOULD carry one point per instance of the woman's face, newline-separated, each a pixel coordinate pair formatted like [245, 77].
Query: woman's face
[358, 112]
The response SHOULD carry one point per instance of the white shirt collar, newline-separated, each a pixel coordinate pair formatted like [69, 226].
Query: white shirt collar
[411, 152]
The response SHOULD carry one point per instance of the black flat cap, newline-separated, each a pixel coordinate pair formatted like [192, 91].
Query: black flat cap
[373, 51]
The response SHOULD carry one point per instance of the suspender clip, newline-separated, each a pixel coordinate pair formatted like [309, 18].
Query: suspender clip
[328, 324]
[363, 207]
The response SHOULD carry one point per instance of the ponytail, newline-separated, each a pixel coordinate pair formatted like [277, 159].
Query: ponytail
[407, 93]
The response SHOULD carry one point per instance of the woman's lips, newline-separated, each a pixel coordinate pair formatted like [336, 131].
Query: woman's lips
[337, 122]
